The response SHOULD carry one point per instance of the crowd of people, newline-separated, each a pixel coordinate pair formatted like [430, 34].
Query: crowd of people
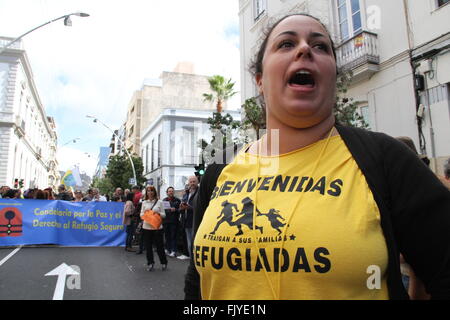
[48, 194]
[173, 235]
[173, 238]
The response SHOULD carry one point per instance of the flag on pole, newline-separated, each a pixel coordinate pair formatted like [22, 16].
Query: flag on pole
[72, 178]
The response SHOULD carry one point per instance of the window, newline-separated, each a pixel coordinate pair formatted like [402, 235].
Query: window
[434, 95]
[440, 3]
[153, 148]
[159, 150]
[146, 158]
[188, 146]
[349, 13]
[259, 7]
[364, 112]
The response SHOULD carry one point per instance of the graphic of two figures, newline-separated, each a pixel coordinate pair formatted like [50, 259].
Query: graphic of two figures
[245, 217]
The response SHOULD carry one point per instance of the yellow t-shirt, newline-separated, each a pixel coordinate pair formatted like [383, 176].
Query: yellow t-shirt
[333, 247]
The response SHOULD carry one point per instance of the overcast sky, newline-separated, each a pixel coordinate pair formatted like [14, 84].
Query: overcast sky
[94, 66]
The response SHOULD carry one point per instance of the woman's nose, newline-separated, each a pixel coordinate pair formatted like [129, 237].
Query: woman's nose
[303, 50]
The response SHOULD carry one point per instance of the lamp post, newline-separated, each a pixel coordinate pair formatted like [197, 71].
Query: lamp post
[67, 22]
[71, 141]
[128, 154]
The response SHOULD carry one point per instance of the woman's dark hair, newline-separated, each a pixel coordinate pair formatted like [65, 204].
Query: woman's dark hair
[10, 194]
[256, 65]
[130, 196]
[41, 195]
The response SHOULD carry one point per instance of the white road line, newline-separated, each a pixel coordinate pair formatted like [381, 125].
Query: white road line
[10, 255]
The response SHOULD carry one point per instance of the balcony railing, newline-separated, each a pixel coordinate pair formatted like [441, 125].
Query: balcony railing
[20, 126]
[16, 45]
[358, 51]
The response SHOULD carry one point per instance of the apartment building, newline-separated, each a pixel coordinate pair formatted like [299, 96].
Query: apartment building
[179, 89]
[28, 137]
[170, 148]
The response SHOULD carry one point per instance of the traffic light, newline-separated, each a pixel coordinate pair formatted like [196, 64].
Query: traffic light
[16, 183]
[21, 183]
[199, 171]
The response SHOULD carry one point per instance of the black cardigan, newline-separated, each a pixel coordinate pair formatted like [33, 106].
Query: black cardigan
[414, 207]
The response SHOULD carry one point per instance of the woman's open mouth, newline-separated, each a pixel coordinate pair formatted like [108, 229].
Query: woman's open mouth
[302, 80]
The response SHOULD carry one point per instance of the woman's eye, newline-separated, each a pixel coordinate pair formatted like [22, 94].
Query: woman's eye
[321, 46]
[286, 44]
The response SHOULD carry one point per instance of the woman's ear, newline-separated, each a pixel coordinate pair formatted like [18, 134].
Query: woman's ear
[258, 79]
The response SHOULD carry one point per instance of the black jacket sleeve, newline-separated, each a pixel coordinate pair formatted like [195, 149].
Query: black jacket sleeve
[420, 216]
[200, 204]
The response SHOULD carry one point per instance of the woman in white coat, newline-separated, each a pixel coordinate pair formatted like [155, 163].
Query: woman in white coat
[152, 235]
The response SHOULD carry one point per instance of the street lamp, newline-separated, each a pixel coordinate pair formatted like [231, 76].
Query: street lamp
[71, 141]
[128, 154]
[67, 22]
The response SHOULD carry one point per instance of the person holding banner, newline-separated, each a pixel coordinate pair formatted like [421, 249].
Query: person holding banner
[152, 213]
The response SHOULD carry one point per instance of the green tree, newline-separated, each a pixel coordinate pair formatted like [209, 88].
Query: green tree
[346, 109]
[254, 118]
[104, 185]
[222, 91]
[223, 129]
[119, 171]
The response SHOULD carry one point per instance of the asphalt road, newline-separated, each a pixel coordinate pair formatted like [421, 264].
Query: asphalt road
[105, 274]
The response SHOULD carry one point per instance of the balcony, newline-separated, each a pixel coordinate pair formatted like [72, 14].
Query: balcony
[16, 45]
[38, 153]
[20, 126]
[360, 55]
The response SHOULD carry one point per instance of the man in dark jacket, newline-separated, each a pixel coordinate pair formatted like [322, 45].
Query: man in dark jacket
[63, 194]
[187, 207]
[171, 221]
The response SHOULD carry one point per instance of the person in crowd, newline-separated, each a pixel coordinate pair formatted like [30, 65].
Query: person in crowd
[181, 233]
[137, 201]
[3, 190]
[447, 169]
[63, 194]
[50, 193]
[30, 193]
[41, 195]
[188, 209]
[446, 178]
[171, 222]
[128, 212]
[78, 196]
[137, 216]
[125, 192]
[71, 194]
[89, 195]
[96, 195]
[152, 235]
[315, 209]
[118, 195]
[137, 194]
[12, 194]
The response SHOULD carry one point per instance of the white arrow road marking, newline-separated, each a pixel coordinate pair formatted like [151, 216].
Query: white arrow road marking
[61, 271]
[10, 255]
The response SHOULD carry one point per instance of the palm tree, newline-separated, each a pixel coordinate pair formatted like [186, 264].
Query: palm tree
[222, 91]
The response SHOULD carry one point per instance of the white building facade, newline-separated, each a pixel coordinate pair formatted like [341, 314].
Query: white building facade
[398, 52]
[27, 136]
[170, 149]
